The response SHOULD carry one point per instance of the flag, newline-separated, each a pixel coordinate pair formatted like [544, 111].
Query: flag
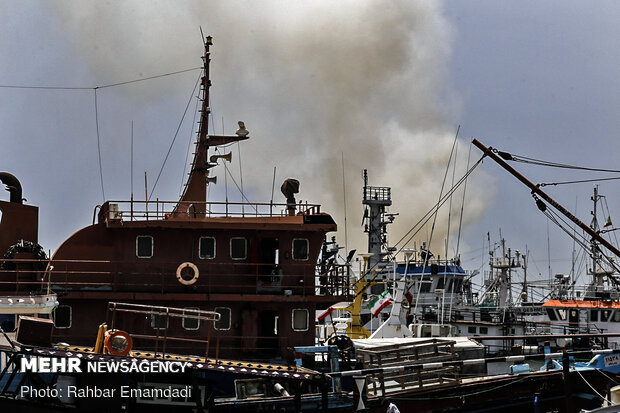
[325, 313]
[608, 223]
[409, 297]
[379, 302]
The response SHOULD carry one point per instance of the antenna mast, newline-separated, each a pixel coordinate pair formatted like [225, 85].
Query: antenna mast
[195, 192]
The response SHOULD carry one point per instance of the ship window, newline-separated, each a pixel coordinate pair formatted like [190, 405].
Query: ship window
[62, 316]
[224, 322]
[144, 246]
[551, 314]
[562, 313]
[593, 315]
[605, 315]
[7, 322]
[300, 249]
[300, 319]
[471, 330]
[616, 317]
[206, 248]
[458, 283]
[238, 248]
[190, 323]
[440, 283]
[426, 286]
[159, 321]
[484, 330]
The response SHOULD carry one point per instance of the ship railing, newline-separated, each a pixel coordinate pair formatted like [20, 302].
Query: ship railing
[161, 320]
[377, 193]
[565, 327]
[335, 280]
[442, 264]
[246, 278]
[120, 210]
[162, 316]
[385, 379]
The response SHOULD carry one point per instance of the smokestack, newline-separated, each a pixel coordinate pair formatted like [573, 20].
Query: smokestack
[13, 186]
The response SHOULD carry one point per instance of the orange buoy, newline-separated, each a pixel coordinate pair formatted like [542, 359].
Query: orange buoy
[118, 343]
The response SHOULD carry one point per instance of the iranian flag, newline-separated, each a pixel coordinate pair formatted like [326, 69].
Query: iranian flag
[608, 223]
[380, 302]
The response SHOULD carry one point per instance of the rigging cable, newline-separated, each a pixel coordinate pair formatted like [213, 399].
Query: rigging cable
[241, 191]
[609, 216]
[458, 238]
[99, 145]
[175, 137]
[523, 159]
[97, 87]
[96, 108]
[583, 243]
[579, 181]
[189, 146]
[590, 386]
[456, 147]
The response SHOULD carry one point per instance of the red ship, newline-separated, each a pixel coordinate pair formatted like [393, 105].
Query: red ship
[260, 266]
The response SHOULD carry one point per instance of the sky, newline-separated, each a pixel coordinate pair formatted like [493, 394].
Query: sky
[325, 90]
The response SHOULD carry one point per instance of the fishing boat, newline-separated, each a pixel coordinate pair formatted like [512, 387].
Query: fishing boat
[569, 309]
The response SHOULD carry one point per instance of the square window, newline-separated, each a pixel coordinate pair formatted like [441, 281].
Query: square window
[62, 316]
[562, 313]
[471, 330]
[144, 246]
[484, 330]
[191, 323]
[159, 321]
[300, 249]
[206, 248]
[300, 319]
[426, 287]
[224, 322]
[238, 248]
[7, 322]
[593, 315]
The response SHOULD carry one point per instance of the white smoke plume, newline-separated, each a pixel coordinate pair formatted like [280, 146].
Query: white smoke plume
[314, 81]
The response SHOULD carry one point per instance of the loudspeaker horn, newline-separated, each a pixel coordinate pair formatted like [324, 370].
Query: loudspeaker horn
[227, 157]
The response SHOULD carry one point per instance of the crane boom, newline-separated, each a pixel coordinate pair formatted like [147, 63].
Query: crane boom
[490, 152]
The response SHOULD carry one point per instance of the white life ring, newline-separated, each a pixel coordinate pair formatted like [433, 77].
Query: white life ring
[183, 280]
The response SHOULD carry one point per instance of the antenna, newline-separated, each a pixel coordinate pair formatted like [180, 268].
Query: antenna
[146, 196]
[131, 172]
[241, 179]
[344, 197]
[273, 184]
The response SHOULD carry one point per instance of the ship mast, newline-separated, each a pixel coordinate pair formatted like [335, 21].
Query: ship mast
[195, 193]
[597, 271]
[598, 278]
[193, 201]
[376, 199]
